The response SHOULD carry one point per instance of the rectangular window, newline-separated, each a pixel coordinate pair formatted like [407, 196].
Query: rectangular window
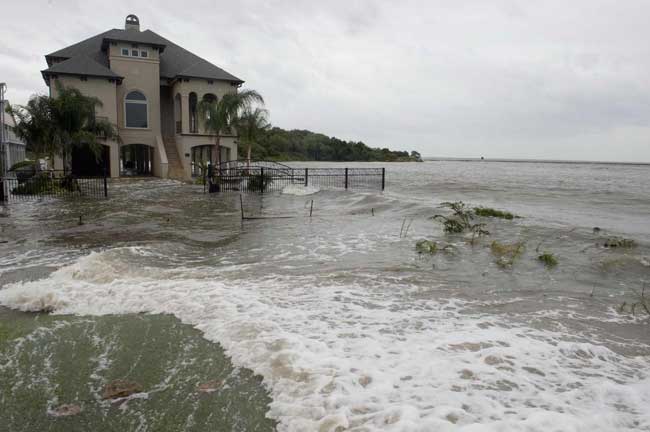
[134, 53]
[136, 115]
[125, 51]
[144, 54]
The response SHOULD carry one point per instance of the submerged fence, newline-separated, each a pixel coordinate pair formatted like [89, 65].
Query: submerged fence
[271, 177]
[52, 184]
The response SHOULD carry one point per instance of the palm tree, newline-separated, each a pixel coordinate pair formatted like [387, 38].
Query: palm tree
[221, 115]
[54, 126]
[251, 124]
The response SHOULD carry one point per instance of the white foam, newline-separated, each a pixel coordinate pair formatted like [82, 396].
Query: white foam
[299, 190]
[366, 357]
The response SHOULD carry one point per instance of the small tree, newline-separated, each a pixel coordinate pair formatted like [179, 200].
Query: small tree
[55, 126]
[252, 124]
[221, 115]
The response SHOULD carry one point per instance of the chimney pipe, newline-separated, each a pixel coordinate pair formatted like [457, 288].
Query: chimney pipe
[132, 23]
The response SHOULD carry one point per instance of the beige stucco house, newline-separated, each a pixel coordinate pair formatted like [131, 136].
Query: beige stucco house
[150, 89]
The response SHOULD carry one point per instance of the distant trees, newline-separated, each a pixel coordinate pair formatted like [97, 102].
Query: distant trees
[282, 145]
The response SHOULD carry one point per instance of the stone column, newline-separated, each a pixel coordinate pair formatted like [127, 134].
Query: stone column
[185, 113]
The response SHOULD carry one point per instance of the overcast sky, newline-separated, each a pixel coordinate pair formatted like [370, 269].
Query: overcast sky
[494, 78]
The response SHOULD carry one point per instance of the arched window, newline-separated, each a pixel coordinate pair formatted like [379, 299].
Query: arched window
[193, 101]
[178, 113]
[209, 98]
[135, 110]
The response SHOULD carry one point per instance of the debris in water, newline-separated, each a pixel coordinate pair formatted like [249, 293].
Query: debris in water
[65, 410]
[210, 386]
[121, 388]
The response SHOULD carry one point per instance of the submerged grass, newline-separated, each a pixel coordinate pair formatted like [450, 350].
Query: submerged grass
[548, 259]
[619, 242]
[642, 302]
[490, 212]
[426, 246]
[507, 253]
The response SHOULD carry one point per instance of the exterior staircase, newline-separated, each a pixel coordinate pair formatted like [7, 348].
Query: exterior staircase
[175, 167]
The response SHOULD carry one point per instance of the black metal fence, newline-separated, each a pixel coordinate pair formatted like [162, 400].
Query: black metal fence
[52, 184]
[265, 178]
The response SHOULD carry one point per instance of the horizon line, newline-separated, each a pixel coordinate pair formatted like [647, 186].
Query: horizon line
[524, 160]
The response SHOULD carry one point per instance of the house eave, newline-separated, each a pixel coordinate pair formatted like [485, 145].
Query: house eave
[48, 74]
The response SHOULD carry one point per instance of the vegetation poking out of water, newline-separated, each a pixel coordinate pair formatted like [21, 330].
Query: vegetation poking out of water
[641, 302]
[404, 230]
[461, 221]
[619, 242]
[426, 246]
[490, 212]
[548, 259]
[507, 253]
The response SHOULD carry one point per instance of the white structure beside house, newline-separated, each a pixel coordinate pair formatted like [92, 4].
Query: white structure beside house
[150, 89]
[12, 149]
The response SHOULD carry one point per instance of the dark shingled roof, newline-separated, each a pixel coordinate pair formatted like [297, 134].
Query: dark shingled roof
[81, 65]
[175, 62]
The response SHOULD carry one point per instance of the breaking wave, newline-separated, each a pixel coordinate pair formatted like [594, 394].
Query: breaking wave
[340, 356]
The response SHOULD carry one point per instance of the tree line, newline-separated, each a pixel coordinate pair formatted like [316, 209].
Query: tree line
[302, 145]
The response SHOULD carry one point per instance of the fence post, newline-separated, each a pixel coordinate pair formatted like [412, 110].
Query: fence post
[383, 178]
[262, 179]
[346, 178]
[105, 186]
[2, 190]
[306, 177]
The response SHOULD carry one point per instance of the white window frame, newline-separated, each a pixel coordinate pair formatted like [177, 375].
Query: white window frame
[128, 52]
[145, 52]
[144, 102]
[135, 52]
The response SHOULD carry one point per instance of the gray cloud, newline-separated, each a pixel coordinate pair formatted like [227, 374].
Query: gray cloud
[466, 78]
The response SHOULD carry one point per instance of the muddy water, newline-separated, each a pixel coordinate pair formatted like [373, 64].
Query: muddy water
[346, 325]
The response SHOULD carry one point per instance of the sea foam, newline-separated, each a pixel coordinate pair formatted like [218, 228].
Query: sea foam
[350, 356]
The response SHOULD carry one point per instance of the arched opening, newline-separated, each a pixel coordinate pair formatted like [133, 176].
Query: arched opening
[136, 160]
[209, 98]
[178, 113]
[201, 156]
[193, 123]
[136, 110]
[85, 163]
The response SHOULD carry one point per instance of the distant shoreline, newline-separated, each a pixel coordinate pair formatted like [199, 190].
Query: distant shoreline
[547, 161]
